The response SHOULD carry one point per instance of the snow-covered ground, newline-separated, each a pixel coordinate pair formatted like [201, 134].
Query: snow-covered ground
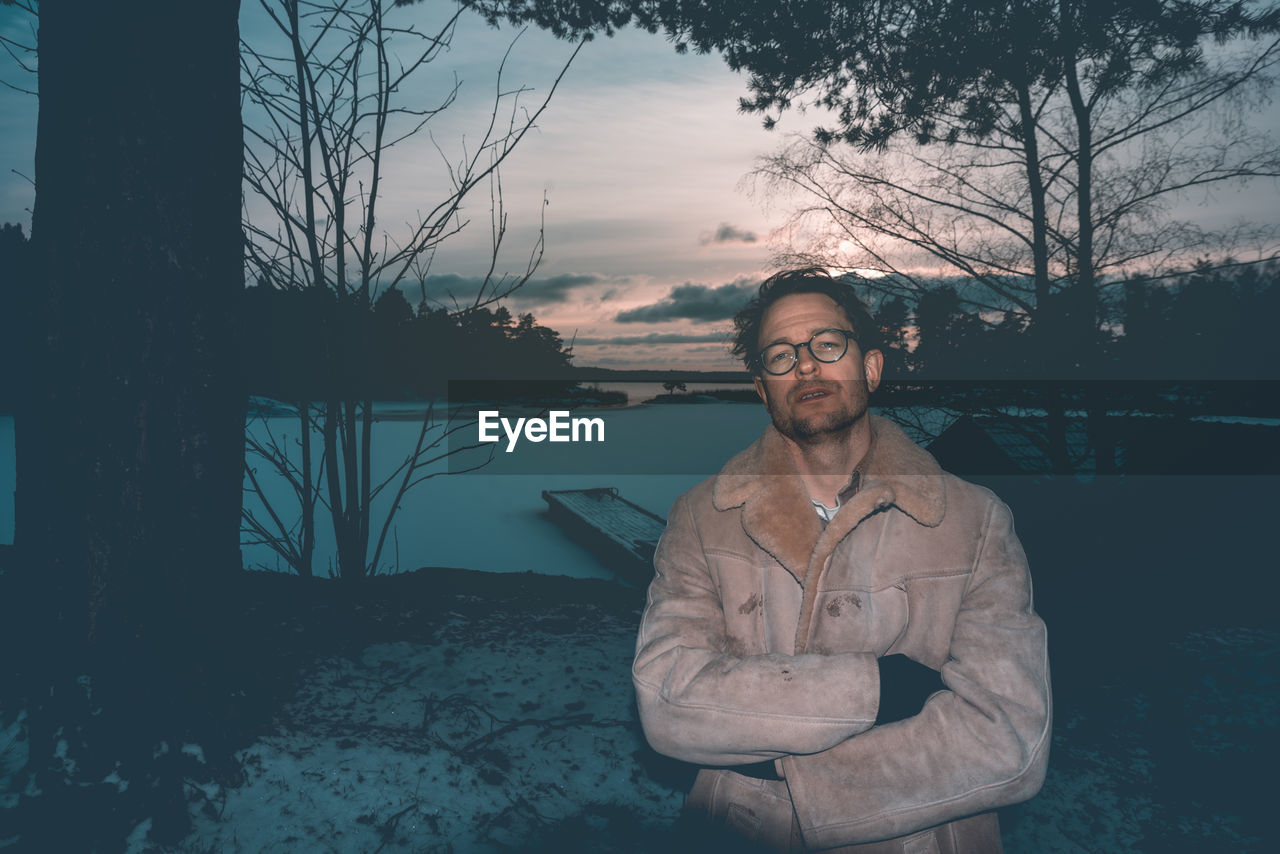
[493, 718]
[515, 732]
[504, 730]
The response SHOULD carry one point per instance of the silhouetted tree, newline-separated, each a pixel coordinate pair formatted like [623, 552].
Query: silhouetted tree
[539, 349]
[1057, 138]
[892, 318]
[389, 351]
[1080, 110]
[1208, 324]
[391, 309]
[951, 341]
[130, 441]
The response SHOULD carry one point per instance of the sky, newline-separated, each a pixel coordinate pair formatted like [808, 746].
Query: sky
[653, 233]
[641, 155]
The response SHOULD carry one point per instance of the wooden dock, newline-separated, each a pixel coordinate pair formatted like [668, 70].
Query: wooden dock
[622, 534]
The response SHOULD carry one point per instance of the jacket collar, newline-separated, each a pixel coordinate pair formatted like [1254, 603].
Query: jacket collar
[778, 515]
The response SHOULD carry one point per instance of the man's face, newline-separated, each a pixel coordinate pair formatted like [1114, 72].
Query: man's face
[816, 401]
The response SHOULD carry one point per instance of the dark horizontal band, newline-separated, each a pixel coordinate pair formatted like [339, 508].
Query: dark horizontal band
[758, 770]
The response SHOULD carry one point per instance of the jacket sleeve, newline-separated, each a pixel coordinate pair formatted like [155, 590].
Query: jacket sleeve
[702, 702]
[981, 744]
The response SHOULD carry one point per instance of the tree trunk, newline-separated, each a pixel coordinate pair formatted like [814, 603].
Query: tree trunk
[1084, 305]
[1035, 184]
[131, 438]
[1040, 332]
[307, 535]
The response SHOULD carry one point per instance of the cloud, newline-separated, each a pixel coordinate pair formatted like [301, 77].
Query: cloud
[555, 288]
[694, 302]
[447, 291]
[451, 290]
[727, 233]
[655, 338]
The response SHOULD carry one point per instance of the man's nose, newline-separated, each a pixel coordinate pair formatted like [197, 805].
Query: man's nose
[805, 363]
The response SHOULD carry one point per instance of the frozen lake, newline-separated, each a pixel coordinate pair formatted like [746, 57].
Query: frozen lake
[494, 519]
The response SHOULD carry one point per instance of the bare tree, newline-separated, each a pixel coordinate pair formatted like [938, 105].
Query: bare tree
[1070, 185]
[22, 53]
[326, 104]
[966, 209]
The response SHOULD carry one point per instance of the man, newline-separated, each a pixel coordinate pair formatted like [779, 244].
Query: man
[797, 591]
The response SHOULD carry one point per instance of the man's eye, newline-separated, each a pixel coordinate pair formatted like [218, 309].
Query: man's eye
[826, 345]
[778, 356]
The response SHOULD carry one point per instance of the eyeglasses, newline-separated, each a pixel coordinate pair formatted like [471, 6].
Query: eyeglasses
[826, 345]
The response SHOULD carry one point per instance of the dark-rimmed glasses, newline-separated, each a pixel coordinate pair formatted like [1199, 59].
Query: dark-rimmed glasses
[826, 345]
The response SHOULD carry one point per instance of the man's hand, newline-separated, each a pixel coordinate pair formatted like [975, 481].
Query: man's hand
[904, 686]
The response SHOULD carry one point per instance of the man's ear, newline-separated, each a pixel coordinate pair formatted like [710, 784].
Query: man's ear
[760, 389]
[873, 364]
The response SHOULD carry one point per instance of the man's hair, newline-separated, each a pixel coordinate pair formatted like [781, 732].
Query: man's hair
[806, 280]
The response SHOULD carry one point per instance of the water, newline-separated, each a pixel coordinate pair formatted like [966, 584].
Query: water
[638, 392]
[494, 519]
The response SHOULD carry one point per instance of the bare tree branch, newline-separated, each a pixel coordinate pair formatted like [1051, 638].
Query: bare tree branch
[339, 89]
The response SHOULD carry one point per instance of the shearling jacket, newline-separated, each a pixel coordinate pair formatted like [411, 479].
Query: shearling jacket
[761, 636]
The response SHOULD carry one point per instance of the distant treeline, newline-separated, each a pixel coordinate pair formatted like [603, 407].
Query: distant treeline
[1205, 325]
[1209, 324]
[311, 345]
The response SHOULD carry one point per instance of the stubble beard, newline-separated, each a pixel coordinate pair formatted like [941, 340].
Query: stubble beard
[822, 427]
